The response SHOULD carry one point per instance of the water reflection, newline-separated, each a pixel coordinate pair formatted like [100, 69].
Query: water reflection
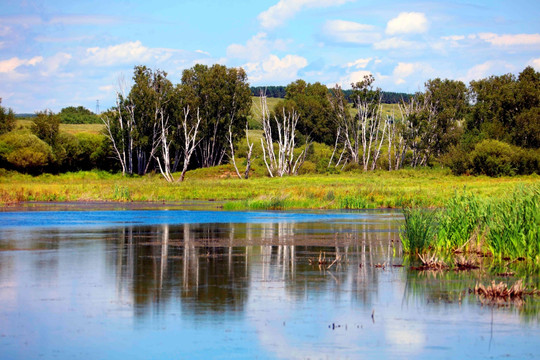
[201, 266]
[254, 289]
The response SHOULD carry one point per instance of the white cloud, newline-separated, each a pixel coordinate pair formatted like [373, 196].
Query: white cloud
[84, 20]
[286, 9]
[407, 23]
[453, 37]
[360, 63]
[353, 77]
[486, 69]
[53, 63]
[510, 39]
[274, 69]
[535, 63]
[256, 48]
[126, 53]
[350, 32]
[12, 64]
[397, 43]
[403, 70]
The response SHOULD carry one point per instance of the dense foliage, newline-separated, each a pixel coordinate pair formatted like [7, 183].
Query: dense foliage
[7, 119]
[491, 127]
[78, 115]
[388, 97]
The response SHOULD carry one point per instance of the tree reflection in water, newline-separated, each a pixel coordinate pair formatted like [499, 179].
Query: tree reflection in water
[210, 267]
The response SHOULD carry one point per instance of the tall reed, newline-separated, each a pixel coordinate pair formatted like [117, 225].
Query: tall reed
[419, 229]
[463, 216]
[514, 225]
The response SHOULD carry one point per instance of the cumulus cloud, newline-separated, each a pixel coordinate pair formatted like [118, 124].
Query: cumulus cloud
[486, 69]
[359, 63]
[535, 63]
[52, 64]
[273, 69]
[403, 70]
[284, 10]
[397, 43]
[407, 23]
[126, 53]
[342, 31]
[256, 48]
[510, 39]
[453, 37]
[12, 64]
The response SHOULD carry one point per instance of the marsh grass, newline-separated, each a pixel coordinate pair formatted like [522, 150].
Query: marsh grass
[506, 226]
[378, 189]
[461, 221]
[419, 230]
[514, 225]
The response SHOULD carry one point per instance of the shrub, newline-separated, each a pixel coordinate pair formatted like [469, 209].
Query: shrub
[25, 151]
[307, 168]
[492, 158]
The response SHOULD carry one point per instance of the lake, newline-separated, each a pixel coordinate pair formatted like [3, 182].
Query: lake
[165, 283]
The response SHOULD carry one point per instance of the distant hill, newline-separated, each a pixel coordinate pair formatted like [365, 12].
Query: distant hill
[25, 115]
[389, 97]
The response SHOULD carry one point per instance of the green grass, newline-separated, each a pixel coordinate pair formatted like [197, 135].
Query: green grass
[68, 128]
[420, 188]
[419, 230]
[506, 226]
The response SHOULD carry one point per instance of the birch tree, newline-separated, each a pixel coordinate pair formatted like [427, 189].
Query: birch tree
[285, 161]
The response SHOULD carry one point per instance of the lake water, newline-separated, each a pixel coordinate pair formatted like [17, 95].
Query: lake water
[176, 284]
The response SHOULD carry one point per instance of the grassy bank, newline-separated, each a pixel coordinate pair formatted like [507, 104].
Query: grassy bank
[425, 188]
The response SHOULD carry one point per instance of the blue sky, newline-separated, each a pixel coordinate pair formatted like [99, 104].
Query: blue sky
[68, 53]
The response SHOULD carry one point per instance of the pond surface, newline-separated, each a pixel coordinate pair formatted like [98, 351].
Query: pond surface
[176, 284]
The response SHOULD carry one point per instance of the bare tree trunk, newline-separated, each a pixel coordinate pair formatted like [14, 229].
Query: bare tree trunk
[190, 140]
[284, 163]
[165, 146]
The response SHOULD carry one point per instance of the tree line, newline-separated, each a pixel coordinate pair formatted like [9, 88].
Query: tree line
[490, 126]
[388, 97]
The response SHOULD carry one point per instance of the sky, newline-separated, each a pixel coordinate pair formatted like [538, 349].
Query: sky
[60, 53]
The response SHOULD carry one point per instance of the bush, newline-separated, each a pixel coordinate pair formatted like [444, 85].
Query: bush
[493, 158]
[24, 151]
[307, 168]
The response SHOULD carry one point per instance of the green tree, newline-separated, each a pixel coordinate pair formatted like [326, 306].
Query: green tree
[7, 119]
[449, 102]
[506, 108]
[46, 126]
[312, 103]
[223, 98]
[78, 115]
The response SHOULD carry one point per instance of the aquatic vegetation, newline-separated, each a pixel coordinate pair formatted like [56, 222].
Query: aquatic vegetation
[419, 229]
[508, 226]
[514, 225]
[431, 261]
[461, 221]
[465, 263]
[500, 291]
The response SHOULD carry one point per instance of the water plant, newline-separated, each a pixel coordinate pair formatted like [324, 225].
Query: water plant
[463, 217]
[514, 225]
[419, 229]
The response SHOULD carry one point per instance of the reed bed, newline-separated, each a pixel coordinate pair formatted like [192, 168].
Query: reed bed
[506, 227]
